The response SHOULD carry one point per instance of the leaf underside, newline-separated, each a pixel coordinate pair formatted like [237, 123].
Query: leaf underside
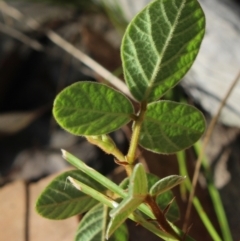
[93, 226]
[160, 45]
[169, 127]
[88, 108]
[166, 184]
[61, 200]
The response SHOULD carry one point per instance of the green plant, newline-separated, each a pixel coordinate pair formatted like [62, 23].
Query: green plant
[158, 48]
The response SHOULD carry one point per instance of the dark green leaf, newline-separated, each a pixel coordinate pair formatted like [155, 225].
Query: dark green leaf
[160, 45]
[61, 199]
[88, 108]
[169, 127]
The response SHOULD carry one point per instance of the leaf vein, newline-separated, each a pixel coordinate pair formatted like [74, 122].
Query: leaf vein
[170, 35]
[145, 78]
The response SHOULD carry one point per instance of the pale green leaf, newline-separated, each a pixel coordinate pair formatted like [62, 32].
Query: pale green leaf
[137, 192]
[160, 45]
[137, 217]
[166, 184]
[102, 198]
[112, 204]
[127, 206]
[93, 174]
[61, 200]
[164, 199]
[138, 181]
[88, 108]
[121, 213]
[93, 226]
[169, 127]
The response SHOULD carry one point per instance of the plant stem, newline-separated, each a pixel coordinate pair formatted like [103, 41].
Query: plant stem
[196, 202]
[106, 143]
[183, 172]
[112, 204]
[135, 135]
[215, 196]
[205, 142]
[160, 217]
[129, 169]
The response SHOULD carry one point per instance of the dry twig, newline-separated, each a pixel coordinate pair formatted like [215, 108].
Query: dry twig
[21, 37]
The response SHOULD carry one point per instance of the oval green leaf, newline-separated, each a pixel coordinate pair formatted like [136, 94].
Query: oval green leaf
[93, 226]
[166, 184]
[169, 127]
[160, 45]
[88, 108]
[61, 199]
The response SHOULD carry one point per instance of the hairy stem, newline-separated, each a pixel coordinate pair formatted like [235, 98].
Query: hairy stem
[106, 143]
[131, 155]
[160, 217]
